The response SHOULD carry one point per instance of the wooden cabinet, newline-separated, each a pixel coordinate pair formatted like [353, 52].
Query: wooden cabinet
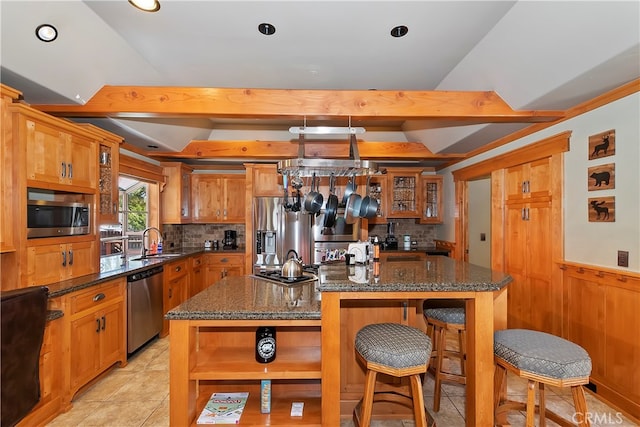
[97, 331]
[50, 263]
[8, 182]
[176, 195]
[197, 281]
[266, 180]
[218, 198]
[221, 265]
[175, 287]
[528, 235]
[403, 188]
[430, 199]
[59, 154]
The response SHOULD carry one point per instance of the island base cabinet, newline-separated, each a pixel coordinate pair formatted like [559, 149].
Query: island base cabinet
[210, 356]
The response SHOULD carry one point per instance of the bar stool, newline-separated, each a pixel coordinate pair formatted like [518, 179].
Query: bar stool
[396, 350]
[441, 320]
[540, 358]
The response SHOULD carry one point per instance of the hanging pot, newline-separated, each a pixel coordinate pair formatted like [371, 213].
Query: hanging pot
[331, 206]
[369, 205]
[350, 188]
[314, 199]
[352, 210]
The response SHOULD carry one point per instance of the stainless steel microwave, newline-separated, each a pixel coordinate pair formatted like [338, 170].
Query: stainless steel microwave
[55, 218]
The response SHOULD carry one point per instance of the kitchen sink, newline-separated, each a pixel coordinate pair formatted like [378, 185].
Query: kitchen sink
[157, 256]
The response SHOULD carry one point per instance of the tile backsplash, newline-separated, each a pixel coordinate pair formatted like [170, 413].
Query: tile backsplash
[177, 236]
[423, 234]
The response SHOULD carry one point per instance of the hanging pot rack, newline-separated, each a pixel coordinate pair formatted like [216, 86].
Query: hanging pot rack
[303, 167]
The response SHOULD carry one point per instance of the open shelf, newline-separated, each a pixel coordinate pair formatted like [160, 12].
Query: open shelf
[281, 400]
[239, 363]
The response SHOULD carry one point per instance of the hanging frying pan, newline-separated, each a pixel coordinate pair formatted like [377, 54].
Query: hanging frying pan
[369, 205]
[331, 206]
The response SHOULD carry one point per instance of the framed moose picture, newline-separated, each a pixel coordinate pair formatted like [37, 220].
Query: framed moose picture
[602, 144]
[602, 209]
[602, 177]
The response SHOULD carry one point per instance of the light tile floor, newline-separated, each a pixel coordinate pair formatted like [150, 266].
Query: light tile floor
[138, 396]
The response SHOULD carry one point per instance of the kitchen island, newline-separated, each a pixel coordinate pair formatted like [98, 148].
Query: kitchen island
[213, 337]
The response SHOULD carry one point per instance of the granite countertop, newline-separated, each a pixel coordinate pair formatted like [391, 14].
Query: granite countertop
[131, 266]
[436, 273]
[251, 298]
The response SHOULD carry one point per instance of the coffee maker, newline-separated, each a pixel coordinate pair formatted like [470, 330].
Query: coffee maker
[229, 241]
[391, 241]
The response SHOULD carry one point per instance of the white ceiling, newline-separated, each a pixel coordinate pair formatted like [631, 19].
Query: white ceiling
[544, 55]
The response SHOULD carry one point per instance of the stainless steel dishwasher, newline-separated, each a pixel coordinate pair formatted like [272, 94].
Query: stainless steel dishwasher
[144, 307]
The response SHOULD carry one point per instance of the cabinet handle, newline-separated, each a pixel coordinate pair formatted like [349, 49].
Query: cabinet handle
[524, 187]
[405, 310]
[98, 297]
[104, 322]
[64, 259]
[63, 170]
[98, 327]
[170, 292]
[178, 268]
[70, 257]
[523, 215]
[224, 260]
[182, 212]
[70, 168]
[225, 212]
[218, 212]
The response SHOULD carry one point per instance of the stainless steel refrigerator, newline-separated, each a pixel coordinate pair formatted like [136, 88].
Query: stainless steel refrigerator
[277, 231]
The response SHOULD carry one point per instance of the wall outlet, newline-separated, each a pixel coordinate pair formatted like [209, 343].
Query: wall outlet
[623, 258]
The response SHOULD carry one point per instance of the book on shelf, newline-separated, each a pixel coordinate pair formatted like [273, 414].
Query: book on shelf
[223, 408]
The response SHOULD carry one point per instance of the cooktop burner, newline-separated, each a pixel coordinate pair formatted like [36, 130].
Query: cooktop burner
[279, 278]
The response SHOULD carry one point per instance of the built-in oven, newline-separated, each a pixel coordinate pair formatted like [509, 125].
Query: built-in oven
[332, 243]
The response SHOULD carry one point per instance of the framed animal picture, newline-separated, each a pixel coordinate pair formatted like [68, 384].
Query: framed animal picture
[602, 209]
[602, 177]
[602, 144]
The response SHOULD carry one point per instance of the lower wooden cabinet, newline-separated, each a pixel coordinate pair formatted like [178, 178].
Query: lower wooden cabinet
[175, 287]
[220, 265]
[97, 332]
[196, 275]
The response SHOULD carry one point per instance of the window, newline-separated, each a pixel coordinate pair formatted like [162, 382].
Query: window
[133, 211]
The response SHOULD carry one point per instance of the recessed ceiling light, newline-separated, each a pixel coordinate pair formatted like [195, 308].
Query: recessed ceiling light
[46, 33]
[152, 146]
[146, 5]
[399, 31]
[266, 29]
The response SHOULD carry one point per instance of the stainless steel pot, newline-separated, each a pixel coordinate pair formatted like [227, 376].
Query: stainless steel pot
[292, 267]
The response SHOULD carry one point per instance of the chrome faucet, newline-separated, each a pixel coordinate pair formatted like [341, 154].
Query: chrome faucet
[144, 234]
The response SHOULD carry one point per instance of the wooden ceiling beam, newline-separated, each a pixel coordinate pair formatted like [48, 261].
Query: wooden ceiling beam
[278, 150]
[153, 101]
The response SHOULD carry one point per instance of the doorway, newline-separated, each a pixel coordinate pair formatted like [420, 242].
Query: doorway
[479, 222]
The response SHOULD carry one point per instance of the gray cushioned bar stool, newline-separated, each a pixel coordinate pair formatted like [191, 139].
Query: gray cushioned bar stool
[540, 358]
[440, 321]
[396, 350]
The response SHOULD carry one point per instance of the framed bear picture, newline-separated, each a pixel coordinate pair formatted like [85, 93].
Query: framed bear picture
[602, 209]
[602, 177]
[602, 144]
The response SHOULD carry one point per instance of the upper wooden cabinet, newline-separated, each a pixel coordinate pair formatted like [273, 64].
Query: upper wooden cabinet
[430, 199]
[266, 180]
[528, 181]
[8, 187]
[218, 198]
[402, 194]
[176, 195]
[108, 171]
[59, 155]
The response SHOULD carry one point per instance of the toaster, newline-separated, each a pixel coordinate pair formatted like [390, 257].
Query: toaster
[359, 251]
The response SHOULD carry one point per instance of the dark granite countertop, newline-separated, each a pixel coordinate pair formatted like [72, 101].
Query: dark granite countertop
[132, 266]
[251, 298]
[424, 249]
[436, 273]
